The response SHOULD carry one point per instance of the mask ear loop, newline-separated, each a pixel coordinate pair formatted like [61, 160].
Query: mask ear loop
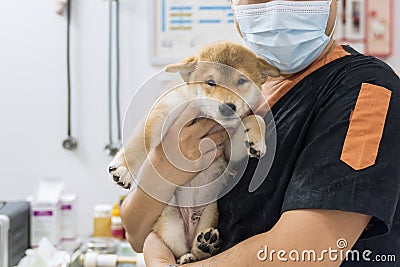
[333, 29]
[334, 25]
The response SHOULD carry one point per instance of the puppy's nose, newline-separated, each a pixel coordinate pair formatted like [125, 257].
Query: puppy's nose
[227, 109]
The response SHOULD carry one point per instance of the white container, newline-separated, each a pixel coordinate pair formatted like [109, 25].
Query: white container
[45, 222]
[117, 231]
[68, 217]
[45, 211]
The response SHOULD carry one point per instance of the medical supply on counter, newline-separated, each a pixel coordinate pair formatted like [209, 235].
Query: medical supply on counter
[73, 249]
[68, 216]
[106, 252]
[45, 223]
[45, 255]
[102, 221]
[117, 231]
[45, 211]
[101, 245]
[125, 249]
[14, 232]
[92, 259]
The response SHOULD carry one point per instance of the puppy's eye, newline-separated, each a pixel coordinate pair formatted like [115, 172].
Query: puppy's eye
[242, 81]
[211, 82]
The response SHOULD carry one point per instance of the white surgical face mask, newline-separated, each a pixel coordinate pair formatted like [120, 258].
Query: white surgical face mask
[288, 34]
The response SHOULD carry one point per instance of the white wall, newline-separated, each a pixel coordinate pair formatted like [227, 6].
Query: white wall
[33, 94]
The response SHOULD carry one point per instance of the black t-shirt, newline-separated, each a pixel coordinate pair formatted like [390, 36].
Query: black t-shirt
[337, 148]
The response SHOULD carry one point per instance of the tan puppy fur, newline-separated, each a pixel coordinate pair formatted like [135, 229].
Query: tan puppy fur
[236, 80]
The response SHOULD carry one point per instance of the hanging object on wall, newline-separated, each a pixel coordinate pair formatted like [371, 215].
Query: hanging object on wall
[340, 21]
[69, 143]
[379, 27]
[61, 6]
[114, 120]
[366, 25]
[355, 20]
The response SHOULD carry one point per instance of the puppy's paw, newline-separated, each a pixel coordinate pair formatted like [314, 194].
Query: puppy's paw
[186, 258]
[255, 136]
[207, 244]
[120, 173]
[255, 149]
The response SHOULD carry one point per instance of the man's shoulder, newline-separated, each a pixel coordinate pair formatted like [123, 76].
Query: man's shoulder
[347, 74]
[360, 66]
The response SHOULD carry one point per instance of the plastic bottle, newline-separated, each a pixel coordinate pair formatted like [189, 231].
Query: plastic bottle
[117, 231]
[68, 217]
[102, 220]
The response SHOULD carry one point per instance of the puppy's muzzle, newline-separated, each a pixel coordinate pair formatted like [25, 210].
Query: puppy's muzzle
[227, 109]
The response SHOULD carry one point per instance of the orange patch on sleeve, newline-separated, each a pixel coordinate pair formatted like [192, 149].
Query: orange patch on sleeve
[367, 121]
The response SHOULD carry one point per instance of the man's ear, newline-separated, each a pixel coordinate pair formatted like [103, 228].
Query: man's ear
[266, 69]
[185, 67]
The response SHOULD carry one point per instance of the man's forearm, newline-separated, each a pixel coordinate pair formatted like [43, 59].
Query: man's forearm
[301, 231]
[137, 219]
[300, 238]
[261, 250]
[142, 207]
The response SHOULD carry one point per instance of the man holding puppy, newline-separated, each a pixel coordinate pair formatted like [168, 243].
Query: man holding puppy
[335, 181]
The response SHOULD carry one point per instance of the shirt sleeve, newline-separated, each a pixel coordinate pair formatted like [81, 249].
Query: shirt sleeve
[351, 155]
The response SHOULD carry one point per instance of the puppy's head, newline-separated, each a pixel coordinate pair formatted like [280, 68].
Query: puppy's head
[228, 76]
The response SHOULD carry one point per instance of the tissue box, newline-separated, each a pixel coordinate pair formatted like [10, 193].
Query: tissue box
[45, 211]
[45, 222]
[14, 232]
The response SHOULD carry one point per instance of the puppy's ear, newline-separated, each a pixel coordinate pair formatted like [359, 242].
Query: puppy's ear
[266, 69]
[185, 67]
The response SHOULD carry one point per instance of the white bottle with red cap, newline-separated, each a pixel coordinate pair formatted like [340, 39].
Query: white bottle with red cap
[117, 231]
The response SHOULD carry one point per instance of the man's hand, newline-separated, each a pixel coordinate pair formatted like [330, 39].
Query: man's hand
[156, 253]
[188, 148]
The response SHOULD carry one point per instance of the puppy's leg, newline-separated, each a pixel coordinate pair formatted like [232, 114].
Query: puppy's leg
[169, 227]
[146, 137]
[255, 142]
[207, 241]
[249, 139]
[129, 158]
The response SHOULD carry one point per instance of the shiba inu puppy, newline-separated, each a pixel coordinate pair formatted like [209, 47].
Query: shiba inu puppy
[225, 80]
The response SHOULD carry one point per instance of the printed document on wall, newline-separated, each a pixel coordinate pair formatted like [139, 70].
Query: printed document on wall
[182, 27]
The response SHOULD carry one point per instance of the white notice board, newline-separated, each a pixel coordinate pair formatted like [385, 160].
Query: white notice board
[182, 27]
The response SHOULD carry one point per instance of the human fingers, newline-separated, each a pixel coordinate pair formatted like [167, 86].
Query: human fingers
[186, 116]
[212, 142]
[201, 127]
[211, 155]
[156, 253]
[218, 137]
